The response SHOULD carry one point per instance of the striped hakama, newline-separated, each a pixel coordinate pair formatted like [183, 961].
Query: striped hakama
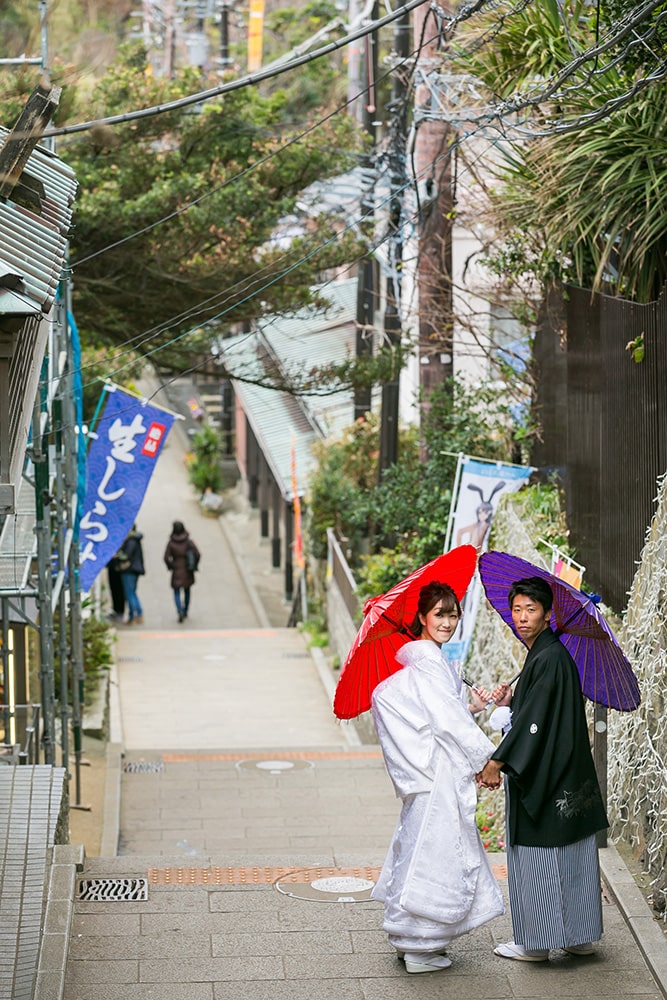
[555, 894]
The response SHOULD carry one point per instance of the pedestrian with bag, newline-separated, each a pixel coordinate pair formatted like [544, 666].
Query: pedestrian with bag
[182, 557]
[130, 562]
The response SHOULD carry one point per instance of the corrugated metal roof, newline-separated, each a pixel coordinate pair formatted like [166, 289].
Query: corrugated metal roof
[276, 417]
[297, 341]
[307, 339]
[33, 245]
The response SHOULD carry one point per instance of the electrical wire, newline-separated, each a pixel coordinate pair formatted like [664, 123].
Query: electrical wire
[250, 80]
[410, 61]
[147, 335]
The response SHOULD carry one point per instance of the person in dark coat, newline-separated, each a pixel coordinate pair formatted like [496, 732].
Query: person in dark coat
[131, 560]
[182, 557]
[553, 801]
[116, 589]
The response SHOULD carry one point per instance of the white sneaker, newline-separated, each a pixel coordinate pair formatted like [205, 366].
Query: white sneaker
[521, 954]
[416, 963]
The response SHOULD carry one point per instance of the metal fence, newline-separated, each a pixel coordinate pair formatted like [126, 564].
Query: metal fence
[19, 734]
[604, 425]
[340, 571]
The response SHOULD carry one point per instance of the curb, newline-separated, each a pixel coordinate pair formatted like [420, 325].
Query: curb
[636, 913]
[66, 861]
[329, 684]
[112, 771]
[258, 607]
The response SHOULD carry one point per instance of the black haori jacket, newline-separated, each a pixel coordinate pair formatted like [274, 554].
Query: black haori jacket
[553, 791]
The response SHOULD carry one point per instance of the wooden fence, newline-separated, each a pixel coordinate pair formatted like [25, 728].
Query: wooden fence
[604, 425]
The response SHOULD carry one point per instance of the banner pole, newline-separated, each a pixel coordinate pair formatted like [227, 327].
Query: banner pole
[455, 494]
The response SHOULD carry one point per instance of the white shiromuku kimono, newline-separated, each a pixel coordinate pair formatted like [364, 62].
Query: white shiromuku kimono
[436, 882]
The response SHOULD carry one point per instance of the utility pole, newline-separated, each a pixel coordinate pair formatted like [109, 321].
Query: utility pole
[397, 173]
[366, 281]
[224, 35]
[433, 165]
[169, 39]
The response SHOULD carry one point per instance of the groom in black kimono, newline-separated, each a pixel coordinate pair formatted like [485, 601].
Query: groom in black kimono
[554, 806]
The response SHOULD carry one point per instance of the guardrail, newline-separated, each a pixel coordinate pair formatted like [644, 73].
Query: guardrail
[27, 719]
[341, 573]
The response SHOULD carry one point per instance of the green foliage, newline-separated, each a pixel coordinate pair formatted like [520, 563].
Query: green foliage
[379, 572]
[174, 215]
[204, 469]
[316, 632]
[586, 205]
[541, 507]
[321, 83]
[490, 819]
[97, 649]
[97, 645]
[395, 525]
[340, 488]
[531, 43]
[599, 204]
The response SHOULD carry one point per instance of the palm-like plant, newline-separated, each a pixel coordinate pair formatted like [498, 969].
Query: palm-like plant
[599, 200]
[588, 204]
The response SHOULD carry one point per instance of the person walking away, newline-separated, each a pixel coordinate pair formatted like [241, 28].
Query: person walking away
[116, 589]
[554, 806]
[436, 882]
[182, 557]
[132, 561]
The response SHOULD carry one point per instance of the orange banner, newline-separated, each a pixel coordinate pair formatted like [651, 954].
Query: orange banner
[296, 505]
[255, 33]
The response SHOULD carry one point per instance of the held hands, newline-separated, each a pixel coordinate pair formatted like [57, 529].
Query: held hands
[490, 776]
[502, 695]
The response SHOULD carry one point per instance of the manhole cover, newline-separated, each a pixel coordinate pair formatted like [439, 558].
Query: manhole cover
[113, 890]
[143, 766]
[280, 766]
[333, 885]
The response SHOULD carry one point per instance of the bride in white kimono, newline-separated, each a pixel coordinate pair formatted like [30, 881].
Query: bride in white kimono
[436, 882]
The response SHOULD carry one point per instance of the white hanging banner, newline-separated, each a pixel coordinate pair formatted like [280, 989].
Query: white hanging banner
[481, 483]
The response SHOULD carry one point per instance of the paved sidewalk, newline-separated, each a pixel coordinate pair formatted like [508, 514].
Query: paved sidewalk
[257, 823]
[231, 842]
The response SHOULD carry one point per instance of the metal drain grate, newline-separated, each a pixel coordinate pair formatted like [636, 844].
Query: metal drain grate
[143, 766]
[113, 890]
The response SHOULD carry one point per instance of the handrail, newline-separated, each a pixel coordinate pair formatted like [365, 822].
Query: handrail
[30, 752]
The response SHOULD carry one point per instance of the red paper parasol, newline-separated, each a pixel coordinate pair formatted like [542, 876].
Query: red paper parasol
[606, 675]
[372, 656]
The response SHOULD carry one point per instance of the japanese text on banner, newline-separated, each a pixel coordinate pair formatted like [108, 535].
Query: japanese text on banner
[120, 463]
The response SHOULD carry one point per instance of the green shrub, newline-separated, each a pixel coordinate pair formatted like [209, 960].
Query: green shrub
[204, 465]
[393, 526]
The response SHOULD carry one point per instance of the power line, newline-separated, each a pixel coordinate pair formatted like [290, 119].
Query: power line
[250, 80]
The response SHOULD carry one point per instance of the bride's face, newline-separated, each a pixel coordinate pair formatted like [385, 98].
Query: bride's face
[439, 625]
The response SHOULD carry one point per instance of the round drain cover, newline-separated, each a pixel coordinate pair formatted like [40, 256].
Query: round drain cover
[275, 766]
[329, 885]
[346, 884]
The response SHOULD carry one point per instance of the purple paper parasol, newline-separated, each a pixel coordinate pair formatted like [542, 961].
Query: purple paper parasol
[605, 672]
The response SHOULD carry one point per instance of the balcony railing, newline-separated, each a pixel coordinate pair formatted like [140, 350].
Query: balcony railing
[24, 720]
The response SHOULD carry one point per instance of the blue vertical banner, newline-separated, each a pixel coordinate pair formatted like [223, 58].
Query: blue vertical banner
[125, 447]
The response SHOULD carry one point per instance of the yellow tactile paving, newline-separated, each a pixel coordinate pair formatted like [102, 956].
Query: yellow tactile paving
[229, 633]
[184, 758]
[266, 875]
